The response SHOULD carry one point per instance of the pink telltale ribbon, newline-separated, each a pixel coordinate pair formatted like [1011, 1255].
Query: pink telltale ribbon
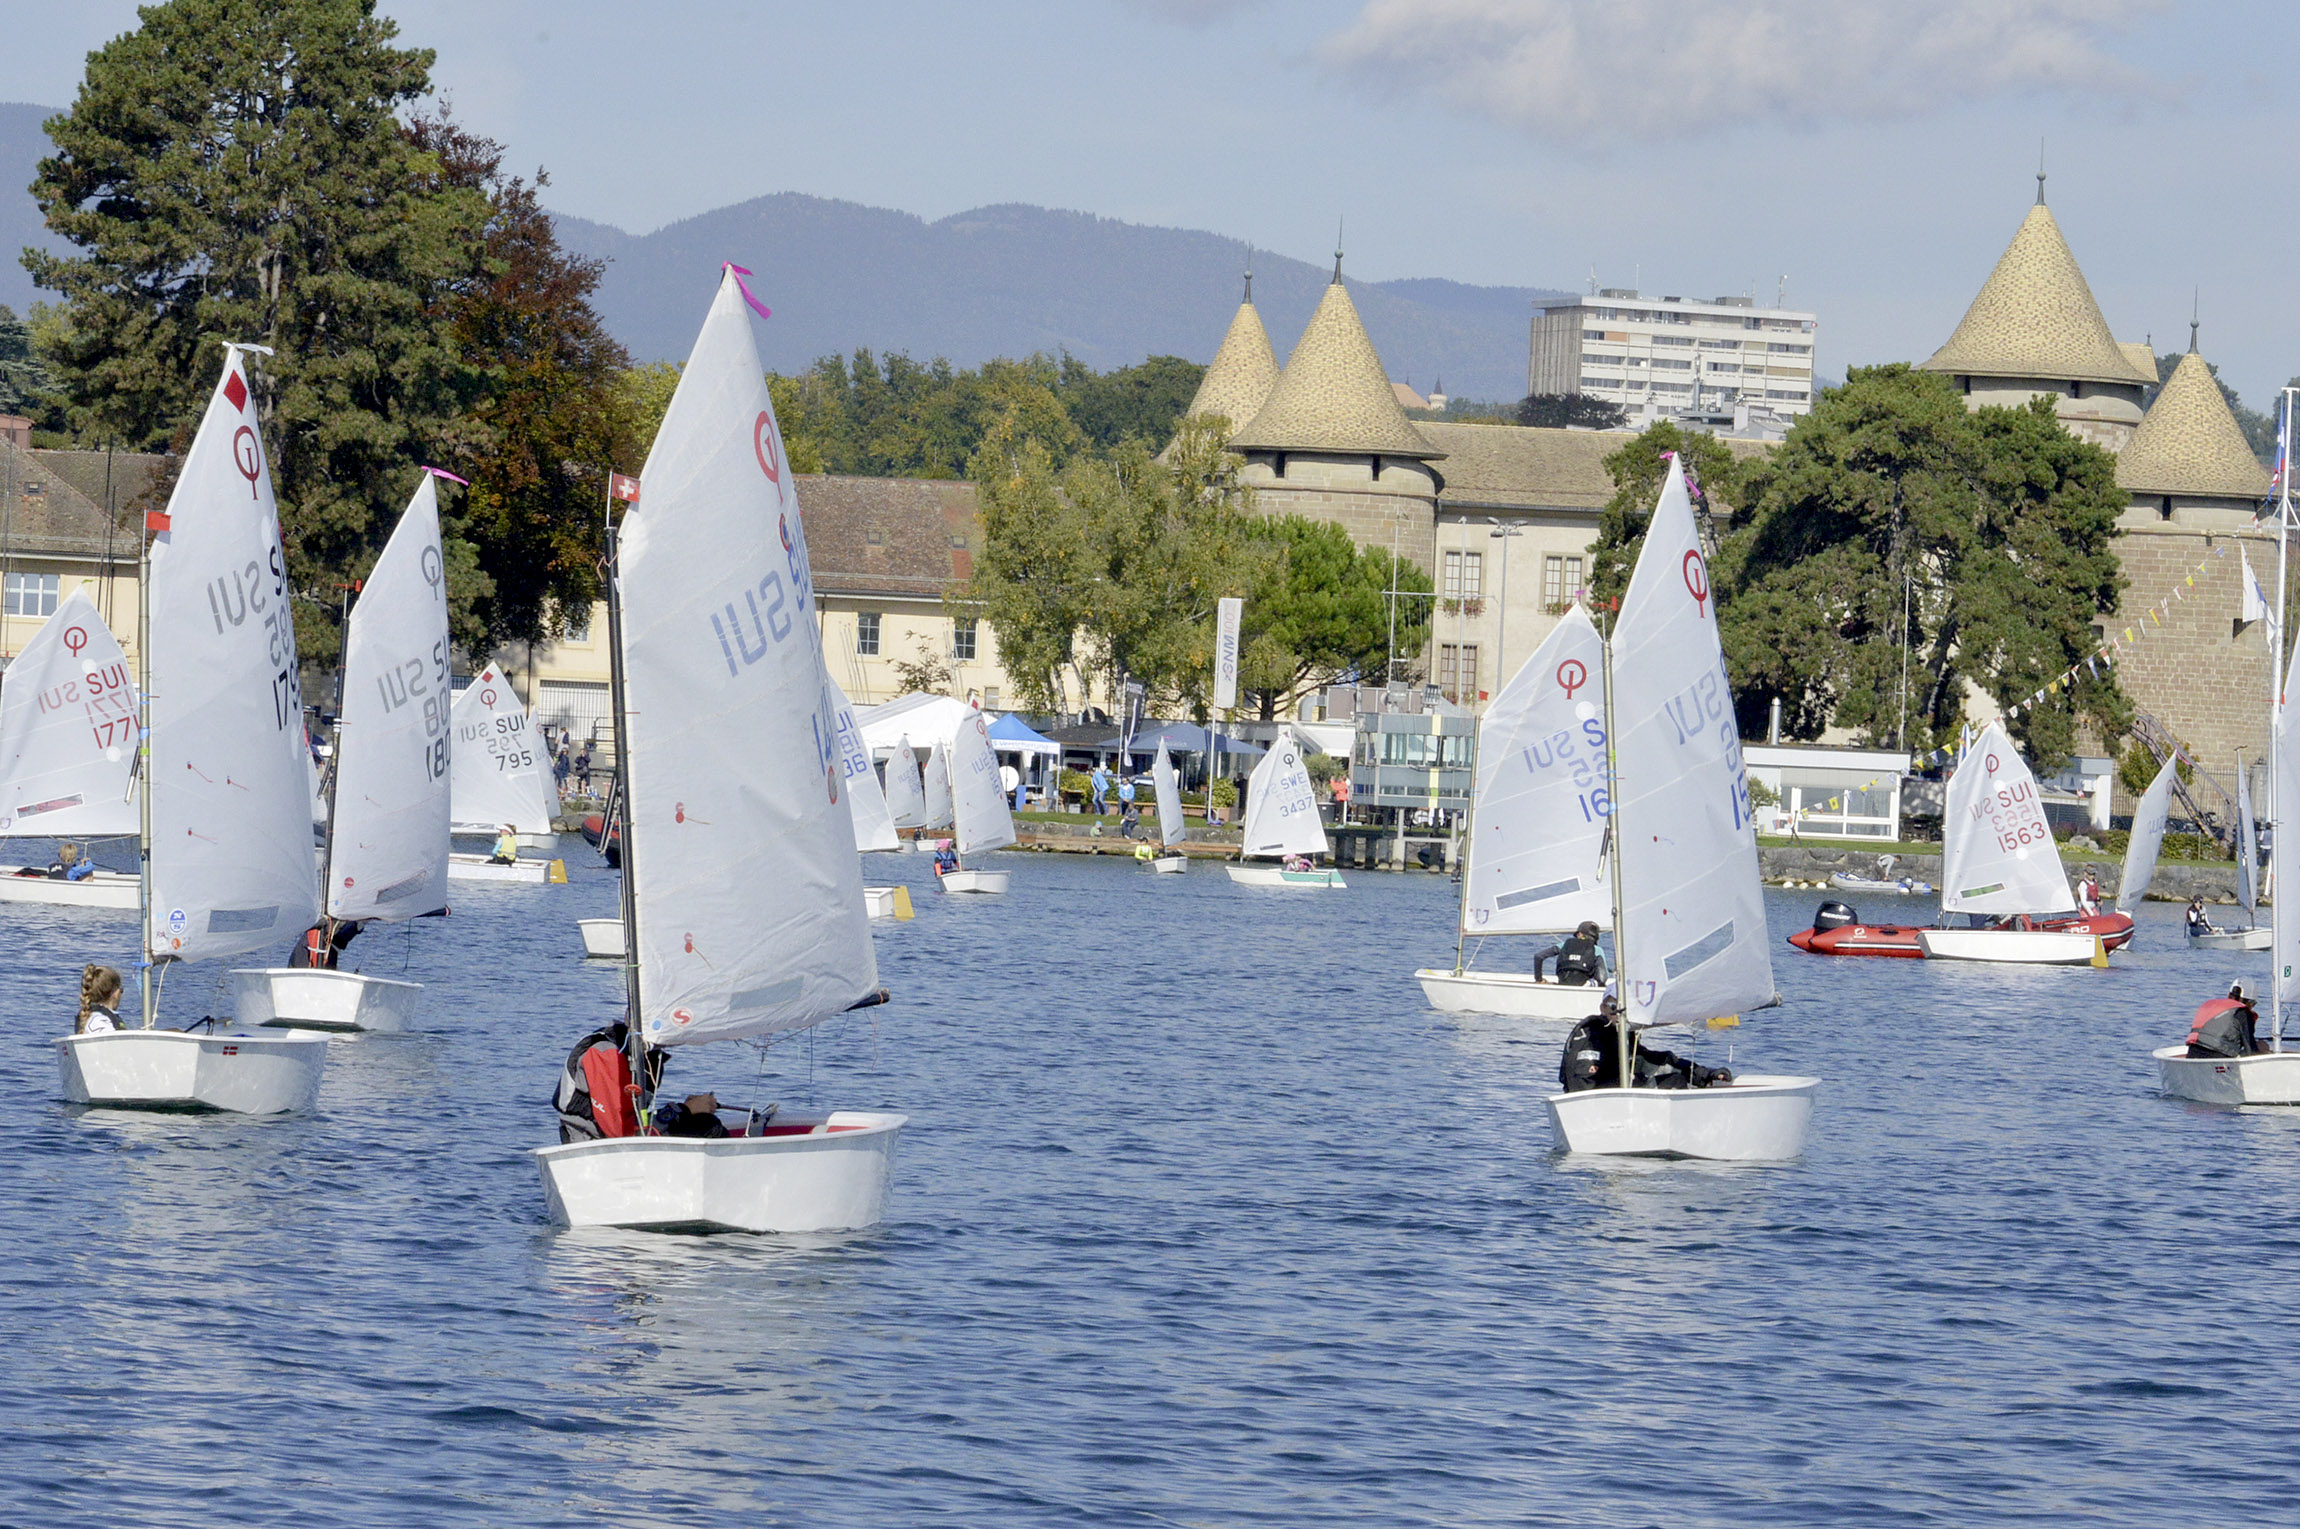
[757, 307]
[441, 472]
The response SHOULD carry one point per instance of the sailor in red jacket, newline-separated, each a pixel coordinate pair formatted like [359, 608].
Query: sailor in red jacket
[2225, 1027]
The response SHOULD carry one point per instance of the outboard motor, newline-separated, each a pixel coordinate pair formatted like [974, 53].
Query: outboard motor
[1834, 915]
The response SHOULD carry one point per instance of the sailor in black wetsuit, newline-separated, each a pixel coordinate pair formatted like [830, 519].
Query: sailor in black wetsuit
[1580, 961]
[1593, 1058]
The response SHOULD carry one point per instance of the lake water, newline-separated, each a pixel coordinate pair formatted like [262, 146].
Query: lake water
[1202, 1217]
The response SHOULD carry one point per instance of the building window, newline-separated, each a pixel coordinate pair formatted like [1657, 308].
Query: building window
[1472, 575]
[1560, 583]
[866, 634]
[990, 698]
[962, 640]
[1452, 588]
[31, 594]
[1457, 671]
[579, 625]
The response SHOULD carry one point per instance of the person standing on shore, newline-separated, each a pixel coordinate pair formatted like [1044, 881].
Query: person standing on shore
[1099, 782]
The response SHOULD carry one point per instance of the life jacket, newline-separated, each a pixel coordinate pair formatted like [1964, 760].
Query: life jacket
[2222, 1027]
[594, 1094]
[1578, 962]
[313, 949]
[1589, 1060]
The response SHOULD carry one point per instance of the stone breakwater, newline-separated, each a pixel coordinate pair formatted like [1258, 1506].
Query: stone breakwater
[2172, 883]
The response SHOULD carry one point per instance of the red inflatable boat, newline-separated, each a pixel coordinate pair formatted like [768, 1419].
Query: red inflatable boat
[1838, 931]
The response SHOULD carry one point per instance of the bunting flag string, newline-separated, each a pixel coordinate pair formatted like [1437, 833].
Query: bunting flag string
[2093, 664]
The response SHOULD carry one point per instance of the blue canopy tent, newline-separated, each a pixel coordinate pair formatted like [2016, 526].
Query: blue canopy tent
[1009, 734]
[1187, 738]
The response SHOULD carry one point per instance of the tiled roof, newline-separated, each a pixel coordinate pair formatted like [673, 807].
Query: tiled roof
[2035, 317]
[1533, 467]
[1244, 370]
[2140, 354]
[1334, 395]
[924, 530]
[2188, 442]
[52, 514]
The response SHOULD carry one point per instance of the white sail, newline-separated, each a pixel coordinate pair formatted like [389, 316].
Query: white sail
[1282, 804]
[905, 795]
[231, 851]
[1693, 945]
[68, 731]
[387, 847]
[866, 804]
[500, 772]
[739, 847]
[2284, 844]
[938, 804]
[2147, 836]
[1999, 856]
[978, 805]
[2247, 847]
[1171, 827]
[1537, 834]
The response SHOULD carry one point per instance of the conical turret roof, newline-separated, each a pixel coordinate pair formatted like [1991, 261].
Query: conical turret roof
[1244, 370]
[2188, 442]
[1334, 395]
[2035, 317]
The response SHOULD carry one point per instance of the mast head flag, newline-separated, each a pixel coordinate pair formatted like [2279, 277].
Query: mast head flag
[1537, 856]
[733, 733]
[231, 854]
[1693, 945]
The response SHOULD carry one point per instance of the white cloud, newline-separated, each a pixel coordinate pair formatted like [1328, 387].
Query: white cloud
[1613, 71]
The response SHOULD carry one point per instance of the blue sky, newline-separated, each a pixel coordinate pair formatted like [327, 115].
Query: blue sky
[1879, 153]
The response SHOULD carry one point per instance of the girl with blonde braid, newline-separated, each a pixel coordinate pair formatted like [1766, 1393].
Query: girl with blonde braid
[99, 1001]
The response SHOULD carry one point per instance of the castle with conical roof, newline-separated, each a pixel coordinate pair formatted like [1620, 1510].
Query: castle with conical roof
[2188, 662]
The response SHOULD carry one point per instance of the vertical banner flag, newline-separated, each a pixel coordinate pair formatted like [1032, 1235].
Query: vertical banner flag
[1226, 653]
[2255, 601]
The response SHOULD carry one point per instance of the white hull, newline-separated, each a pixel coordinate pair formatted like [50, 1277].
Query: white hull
[1756, 1119]
[2027, 947]
[833, 1178]
[963, 880]
[105, 889]
[1515, 993]
[602, 938]
[2270, 1079]
[889, 902]
[522, 873]
[1902, 888]
[1169, 865]
[300, 998]
[1279, 876]
[2233, 939]
[174, 1070]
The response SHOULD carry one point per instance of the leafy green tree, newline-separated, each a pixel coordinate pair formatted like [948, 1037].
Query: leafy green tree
[1636, 471]
[1141, 403]
[27, 387]
[1034, 577]
[1898, 548]
[1560, 411]
[236, 170]
[1322, 613]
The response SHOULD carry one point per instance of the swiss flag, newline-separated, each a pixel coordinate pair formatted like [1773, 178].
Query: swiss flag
[236, 391]
[625, 489]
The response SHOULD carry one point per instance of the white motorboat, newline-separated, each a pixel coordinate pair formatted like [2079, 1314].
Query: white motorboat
[2271, 1077]
[1758, 1118]
[603, 938]
[823, 1175]
[387, 799]
[225, 819]
[2022, 947]
[1279, 876]
[519, 873]
[1905, 886]
[2257, 937]
[1168, 865]
[67, 754]
[1281, 819]
[1534, 858]
[965, 879]
[889, 902]
[240, 1074]
[724, 710]
[1690, 937]
[501, 776]
[316, 998]
[112, 891]
[1519, 994]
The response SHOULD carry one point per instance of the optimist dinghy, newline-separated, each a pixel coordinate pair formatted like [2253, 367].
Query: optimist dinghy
[873, 822]
[1282, 819]
[2251, 934]
[978, 806]
[1689, 906]
[1537, 848]
[1172, 829]
[501, 774]
[226, 816]
[388, 812]
[68, 755]
[732, 763]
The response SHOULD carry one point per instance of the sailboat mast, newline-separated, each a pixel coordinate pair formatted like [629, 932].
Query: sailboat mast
[636, 1039]
[335, 761]
[1613, 817]
[2276, 650]
[144, 771]
[1461, 858]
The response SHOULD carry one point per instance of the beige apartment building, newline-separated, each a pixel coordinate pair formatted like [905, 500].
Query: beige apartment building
[1659, 356]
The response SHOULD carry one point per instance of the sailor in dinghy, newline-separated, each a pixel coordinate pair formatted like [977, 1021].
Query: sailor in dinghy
[731, 762]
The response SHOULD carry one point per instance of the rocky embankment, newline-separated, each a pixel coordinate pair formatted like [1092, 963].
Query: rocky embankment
[1800, 865]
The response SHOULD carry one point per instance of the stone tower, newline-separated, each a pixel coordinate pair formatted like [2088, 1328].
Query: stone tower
[2035, 330]
[1238, 383]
